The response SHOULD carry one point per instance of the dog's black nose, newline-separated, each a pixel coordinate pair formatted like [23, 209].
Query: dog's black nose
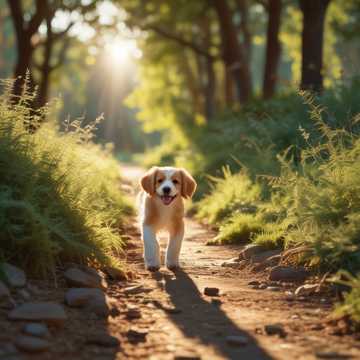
[166, 190]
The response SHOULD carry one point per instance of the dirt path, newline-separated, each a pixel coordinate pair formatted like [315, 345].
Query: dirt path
[166, 316]
[186, 324]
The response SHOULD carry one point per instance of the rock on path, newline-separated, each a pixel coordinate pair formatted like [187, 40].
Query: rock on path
[36, 329]
[49, 312]
[31, 344]
[15, 277]
[79, 278]
[288, 274]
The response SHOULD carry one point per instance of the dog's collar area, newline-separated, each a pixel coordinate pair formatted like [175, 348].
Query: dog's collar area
[167, 199]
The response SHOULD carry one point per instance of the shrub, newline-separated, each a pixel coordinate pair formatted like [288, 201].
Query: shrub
[351, 304]
[230, 193]
[239, 228]
[59, 193]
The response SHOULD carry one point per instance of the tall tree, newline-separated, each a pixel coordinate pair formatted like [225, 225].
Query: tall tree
[26, 27]
[233, 51]
[314, 13]
[209, 82]
[273, 48]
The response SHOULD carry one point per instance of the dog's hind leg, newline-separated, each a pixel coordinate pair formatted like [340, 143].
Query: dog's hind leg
[151, 248]
[174, 246]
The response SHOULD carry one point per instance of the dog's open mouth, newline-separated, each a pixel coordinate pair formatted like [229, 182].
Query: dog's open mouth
[167, 199]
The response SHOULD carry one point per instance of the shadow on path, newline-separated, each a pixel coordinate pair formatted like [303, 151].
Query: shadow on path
[206, 321]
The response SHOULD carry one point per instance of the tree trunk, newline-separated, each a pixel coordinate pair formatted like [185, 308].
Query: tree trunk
[25, 51]
[24, 31]
[209, 83]
[243, 8]
[314, 12]
[45, 68]
[210, 90]
[233, 52]
[192, 84]
[228, 87]
[273, 48]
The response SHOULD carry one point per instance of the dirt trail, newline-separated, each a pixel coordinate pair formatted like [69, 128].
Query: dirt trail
[166, 316]
[193, 324]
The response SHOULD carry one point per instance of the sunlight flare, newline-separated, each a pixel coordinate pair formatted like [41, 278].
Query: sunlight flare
[122, 51]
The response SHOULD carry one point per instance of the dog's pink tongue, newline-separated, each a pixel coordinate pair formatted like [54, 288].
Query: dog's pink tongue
[166, 199]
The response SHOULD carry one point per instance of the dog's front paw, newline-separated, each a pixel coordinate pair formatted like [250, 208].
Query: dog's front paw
[152, 265]
[173, 266]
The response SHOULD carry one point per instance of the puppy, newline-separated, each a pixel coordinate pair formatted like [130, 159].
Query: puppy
[162, 208]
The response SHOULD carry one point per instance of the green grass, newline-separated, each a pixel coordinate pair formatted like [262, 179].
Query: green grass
[59, 193]
[350, 307]
[230, 193]
[239, 228]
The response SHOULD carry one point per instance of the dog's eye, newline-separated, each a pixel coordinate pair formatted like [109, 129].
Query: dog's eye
[175, 181]
[160, 181]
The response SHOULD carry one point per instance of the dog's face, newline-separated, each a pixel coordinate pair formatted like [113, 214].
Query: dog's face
[167, 183]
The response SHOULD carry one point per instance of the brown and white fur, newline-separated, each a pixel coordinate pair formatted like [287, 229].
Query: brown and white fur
[162, 208]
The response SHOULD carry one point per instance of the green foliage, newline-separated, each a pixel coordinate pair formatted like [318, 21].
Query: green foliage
[351, 304]
[231, 193]
[59, 194]
[239, 228]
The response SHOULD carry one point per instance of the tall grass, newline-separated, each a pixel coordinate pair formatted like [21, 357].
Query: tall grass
[59, 193]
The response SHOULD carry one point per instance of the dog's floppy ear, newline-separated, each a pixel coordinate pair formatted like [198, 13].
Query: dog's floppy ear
[147, 182]
[188, 184]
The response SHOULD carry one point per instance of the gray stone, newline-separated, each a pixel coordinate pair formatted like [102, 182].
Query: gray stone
[31, 344]
[275, 329]
[80, 297]
[250, 250]
[237, 340]
[48, 312]
[79, 278]
[15, 277]
[36, 329]
[211, 291]
[306, 289]
[288, 274]
[262, 286]
[264, 256]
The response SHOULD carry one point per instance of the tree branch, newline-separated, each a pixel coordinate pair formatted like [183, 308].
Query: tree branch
[40, 14]
[60, 34]
[180, 40]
